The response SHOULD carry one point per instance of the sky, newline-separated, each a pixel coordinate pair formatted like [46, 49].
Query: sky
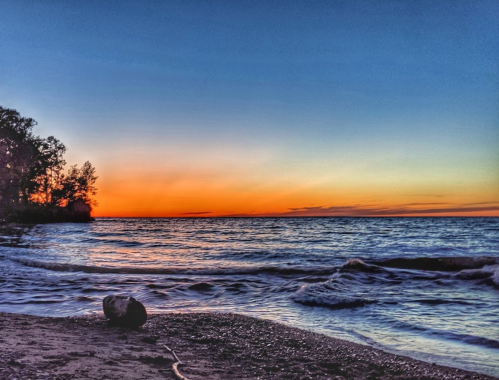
[265, 108]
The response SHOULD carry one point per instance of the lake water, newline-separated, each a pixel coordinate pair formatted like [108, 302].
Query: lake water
[423, 287]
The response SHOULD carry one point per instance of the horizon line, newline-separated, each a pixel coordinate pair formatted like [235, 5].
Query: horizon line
[295, 217]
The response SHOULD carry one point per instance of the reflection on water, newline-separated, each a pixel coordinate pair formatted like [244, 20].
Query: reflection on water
[297, 271]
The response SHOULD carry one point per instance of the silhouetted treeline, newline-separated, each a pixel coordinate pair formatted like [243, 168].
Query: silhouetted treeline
[33, 185]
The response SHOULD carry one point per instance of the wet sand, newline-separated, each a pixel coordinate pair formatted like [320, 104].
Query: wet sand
[211, 346]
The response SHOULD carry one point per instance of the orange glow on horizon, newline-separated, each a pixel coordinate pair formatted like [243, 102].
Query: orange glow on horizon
[284, 213]
[215, 188]
[194, 199]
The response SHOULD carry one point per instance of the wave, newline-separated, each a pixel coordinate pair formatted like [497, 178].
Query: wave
[30, 301]
[357, 284]
[201, 286]
[446, 334]
[484, 268]
[489, 273]
[359, 265]
[338, 303]
[254, 270]
[443, 264]
[330, 294]
[118, 242]
[477, 340]
[439, 301]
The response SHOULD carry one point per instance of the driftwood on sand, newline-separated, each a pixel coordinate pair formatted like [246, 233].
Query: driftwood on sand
[175, 365]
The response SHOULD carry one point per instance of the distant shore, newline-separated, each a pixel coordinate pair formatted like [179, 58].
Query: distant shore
[210, 345]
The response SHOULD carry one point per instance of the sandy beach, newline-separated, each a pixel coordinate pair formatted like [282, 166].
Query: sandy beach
[210, 346]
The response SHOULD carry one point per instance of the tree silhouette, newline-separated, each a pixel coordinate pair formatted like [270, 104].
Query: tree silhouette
[31, 174]
[77, 185]
[17, 159]
[49, 169]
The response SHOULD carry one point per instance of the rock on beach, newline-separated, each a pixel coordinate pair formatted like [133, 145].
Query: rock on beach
[125, 311]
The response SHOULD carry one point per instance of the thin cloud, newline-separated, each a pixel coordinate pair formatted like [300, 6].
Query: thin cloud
[377, 210]
[401, 210]
[427, 204]
[482, 203]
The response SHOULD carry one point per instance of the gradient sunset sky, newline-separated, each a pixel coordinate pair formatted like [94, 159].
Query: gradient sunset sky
[293, 108]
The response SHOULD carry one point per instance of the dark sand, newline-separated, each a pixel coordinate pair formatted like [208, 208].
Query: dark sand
[212, 346]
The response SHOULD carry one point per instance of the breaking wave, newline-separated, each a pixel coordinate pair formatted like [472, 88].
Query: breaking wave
[444, 264]
[358, 284]
[67, 267]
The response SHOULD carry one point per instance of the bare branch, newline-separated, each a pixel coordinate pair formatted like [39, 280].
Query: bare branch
[178, 375]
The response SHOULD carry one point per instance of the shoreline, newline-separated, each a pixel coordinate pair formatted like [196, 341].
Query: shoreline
[210, 346]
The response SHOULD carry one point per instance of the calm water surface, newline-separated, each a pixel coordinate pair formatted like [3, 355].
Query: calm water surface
[331, 275]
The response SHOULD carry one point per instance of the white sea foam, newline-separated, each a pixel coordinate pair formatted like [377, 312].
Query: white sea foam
[495, 274]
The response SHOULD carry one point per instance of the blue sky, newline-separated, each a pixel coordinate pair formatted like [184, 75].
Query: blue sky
[347, 102]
